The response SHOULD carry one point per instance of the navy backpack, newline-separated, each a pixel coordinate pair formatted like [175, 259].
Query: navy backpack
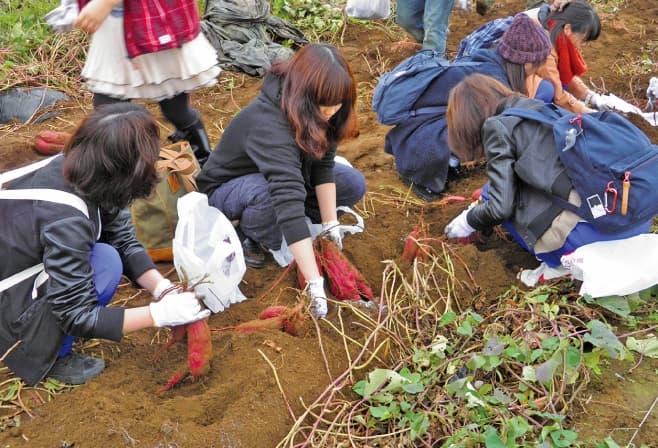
[398, 90]
[611, 163]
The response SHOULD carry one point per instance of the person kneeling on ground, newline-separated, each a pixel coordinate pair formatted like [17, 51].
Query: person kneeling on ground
[274, 164]
[78, 227]
[522, 163]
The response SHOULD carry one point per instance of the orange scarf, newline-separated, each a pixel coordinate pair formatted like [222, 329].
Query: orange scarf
[570, 62]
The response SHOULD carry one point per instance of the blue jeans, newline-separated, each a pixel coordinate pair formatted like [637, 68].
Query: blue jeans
[426, 21]
[107, 266]
[247, 199]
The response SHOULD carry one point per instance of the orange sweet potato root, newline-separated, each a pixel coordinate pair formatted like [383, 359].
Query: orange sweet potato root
[413, 247]
[344, 280]
[276, 317]
[199, 351]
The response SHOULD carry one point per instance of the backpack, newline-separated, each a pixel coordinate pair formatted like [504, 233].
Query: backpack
[155, 218]
[398, 90]
[611, 163]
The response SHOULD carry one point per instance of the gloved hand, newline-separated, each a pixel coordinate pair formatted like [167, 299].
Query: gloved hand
[602, 102]
[177, 308]
[331, 230]
[459, 227]
[318, 297]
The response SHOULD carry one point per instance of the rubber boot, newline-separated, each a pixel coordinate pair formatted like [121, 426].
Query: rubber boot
[197, 137]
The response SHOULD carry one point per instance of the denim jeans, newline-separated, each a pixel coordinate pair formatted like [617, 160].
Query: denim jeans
[107, 266]
[247, 199]
[426, 21]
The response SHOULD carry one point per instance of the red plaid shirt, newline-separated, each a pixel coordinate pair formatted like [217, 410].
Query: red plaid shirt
[155, 25]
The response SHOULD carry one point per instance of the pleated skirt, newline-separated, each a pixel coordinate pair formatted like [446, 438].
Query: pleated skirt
[156, 76]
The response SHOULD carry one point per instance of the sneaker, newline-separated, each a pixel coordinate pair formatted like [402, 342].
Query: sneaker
[76, 368]
[254, 255]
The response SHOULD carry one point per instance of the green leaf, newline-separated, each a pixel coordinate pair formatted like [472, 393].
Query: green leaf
[492, 439]
[616, 304]
[380, 412]
[647, 347]
[545, 371]
[601, 336]
[447, 318]
[563, 438]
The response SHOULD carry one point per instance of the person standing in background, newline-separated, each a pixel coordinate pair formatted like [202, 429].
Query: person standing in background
[426, 21]
[150, 50]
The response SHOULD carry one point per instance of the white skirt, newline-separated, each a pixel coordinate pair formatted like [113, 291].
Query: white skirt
[156, 76]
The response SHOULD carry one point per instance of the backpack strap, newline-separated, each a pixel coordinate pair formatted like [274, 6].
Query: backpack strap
[534, 114]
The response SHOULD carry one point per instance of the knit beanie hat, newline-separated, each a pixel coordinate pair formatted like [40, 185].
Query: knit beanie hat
[524, 41]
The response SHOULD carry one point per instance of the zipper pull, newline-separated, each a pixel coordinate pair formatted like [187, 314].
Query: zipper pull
[625, 189]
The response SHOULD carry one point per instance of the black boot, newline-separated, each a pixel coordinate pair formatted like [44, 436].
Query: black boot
[197, 137]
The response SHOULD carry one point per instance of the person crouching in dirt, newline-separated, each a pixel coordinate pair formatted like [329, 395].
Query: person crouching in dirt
[419, 143]
[274, 164]
[522, 163]
[570, 25]
[77, 226]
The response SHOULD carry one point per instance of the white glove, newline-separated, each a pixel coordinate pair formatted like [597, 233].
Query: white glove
[177, 308]
[602, 102]
[464, 5]
[459, 227]
[332, 231]
[318, 297]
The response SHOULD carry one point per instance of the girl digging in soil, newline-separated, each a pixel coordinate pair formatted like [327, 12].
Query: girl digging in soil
[419, 143]
[570, 26]
[79, 228]
[522, 164]
[274, 164]
[160, 55]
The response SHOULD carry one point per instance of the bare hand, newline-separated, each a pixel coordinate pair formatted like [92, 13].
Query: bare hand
[92, 15]
[558, 5]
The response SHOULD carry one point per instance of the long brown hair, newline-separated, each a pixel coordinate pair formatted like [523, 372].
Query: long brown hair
[474, 99]
[318, 75]
[111, 157]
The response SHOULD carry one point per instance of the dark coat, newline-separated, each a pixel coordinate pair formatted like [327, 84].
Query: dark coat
[61, 237]
[420, 143]
[259, 140]
[522, 165]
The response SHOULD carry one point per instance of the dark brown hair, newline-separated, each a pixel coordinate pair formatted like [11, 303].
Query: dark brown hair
[582, 17]
[516, 74]
[474, 99]
[318, 75]
[111, 157]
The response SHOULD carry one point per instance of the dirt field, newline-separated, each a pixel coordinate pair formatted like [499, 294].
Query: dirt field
[240, 403]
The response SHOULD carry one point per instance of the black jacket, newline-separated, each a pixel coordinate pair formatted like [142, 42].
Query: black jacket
[61, 237]
[259, 140]
[523, 166]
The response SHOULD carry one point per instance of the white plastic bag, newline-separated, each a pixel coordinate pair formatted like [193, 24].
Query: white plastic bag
[284, 256]
[368, 9]
[206, 245]
[618, 267]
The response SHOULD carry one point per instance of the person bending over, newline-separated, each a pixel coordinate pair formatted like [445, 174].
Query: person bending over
[274, 164]
[77, 226]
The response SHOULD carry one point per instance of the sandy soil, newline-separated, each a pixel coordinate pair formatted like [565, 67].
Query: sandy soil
[240, 403]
